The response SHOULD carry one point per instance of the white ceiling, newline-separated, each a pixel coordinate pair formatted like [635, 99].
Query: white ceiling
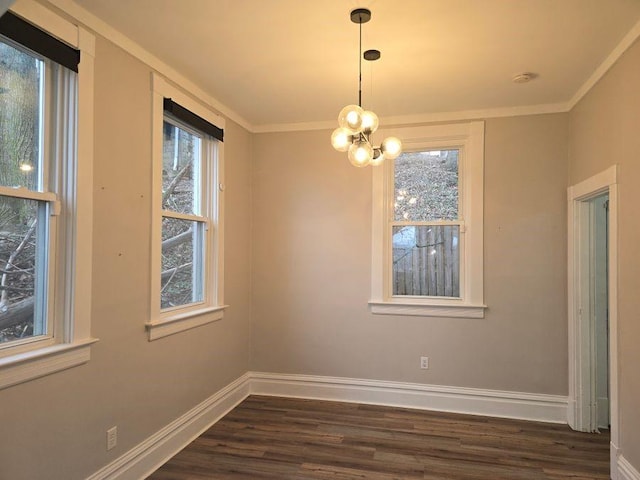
[275, 62]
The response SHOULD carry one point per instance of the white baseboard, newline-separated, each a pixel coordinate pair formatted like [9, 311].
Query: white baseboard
[626, 471]
[495, 403]
[145, 458]
[614, 454]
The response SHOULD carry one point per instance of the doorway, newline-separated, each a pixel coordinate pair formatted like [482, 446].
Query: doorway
[592, 289]
[597, 314]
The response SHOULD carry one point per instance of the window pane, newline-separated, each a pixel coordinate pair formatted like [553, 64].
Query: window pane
[182, 266]
[426, 186]
[23, 269]
[426, 260]
[20, 115]
[180, 170]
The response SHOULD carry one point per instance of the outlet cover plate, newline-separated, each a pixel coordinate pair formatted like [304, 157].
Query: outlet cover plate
[112, 437]
[424, 363]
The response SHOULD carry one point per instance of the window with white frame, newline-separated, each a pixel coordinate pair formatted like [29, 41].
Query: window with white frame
[44, 231]
[427, 224]
[187, 230]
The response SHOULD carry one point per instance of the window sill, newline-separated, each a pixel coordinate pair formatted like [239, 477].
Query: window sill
[184, 321]
[26, 366]
[441, 309]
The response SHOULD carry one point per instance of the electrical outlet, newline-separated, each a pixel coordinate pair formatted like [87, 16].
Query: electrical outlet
[424, 362]
[112, 437]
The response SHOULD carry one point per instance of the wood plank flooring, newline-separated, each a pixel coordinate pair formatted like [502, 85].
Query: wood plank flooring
[294, 439]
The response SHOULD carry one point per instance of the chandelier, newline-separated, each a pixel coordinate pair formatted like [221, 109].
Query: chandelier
[356, 125]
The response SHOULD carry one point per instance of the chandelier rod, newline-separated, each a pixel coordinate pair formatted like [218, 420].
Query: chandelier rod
[360, 67]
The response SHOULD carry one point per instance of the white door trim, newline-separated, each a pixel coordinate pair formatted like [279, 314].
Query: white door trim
[578, 195]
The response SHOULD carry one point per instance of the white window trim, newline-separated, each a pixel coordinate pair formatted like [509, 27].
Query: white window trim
[470, 137]
[164, 323]
[72, 345]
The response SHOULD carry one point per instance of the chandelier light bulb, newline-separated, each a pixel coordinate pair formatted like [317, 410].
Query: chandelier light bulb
[341, 139]
[377, 159]
[369, 122]
[391, 147]
[360, 154]
[351, 117]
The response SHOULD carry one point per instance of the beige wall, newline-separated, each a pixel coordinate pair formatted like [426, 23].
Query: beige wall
[312, 255]
[605, 131]
[54, 427]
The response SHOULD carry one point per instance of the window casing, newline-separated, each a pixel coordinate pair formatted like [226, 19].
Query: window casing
[427, 255]
[187, 230]
[45, 194]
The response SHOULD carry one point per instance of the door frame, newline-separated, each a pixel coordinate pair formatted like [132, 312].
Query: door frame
[581, 373]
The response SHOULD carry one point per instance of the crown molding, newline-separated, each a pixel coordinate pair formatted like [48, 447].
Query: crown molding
[421, 118]
[480, 114]
[102, 28]
[295, 126]
[608, 62]
[118, 38]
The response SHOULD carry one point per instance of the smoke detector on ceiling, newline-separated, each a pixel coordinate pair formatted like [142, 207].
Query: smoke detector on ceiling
[524, 77]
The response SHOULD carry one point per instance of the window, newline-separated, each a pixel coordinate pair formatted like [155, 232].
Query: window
[427, 224]
[26, 197]
[184, 216]
[425, 229]
[187, 244]
[45, 171]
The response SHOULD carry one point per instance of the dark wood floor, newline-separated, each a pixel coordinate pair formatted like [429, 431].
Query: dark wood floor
[293, 439]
